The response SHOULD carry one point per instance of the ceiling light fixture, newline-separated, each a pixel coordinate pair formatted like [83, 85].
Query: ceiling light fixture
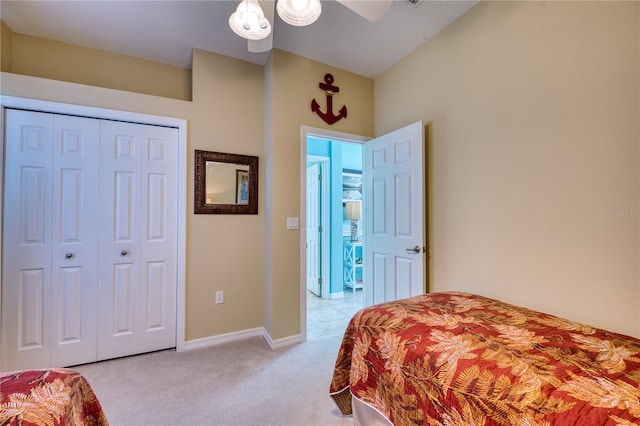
[299, 12]
[248, 21]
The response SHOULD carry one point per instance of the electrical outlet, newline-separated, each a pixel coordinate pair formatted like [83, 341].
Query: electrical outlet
[219, 296]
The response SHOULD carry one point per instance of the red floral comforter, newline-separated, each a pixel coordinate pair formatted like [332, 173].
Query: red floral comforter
[48, 397]
[461, 359]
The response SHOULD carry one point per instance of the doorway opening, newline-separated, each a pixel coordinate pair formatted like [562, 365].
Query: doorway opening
[394, 256]
[333, 244]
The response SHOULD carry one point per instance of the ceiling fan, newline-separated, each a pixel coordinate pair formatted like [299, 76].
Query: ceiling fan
[252, 19]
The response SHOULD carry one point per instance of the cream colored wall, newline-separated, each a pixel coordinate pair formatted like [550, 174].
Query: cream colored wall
[534, 156]
[224, 252]
[40, 57]
[229, 113]
[294, 83]
[5, 47]
[267, 182]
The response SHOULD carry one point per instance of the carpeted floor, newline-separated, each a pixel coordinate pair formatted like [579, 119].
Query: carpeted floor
[242, 383]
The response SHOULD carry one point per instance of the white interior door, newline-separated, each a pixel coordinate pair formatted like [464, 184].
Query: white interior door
[49, 280]
[395, 211]
[137, 285]
[313, 229]
[26, 269]
[74, 281]
[119, 289]
[158, 239]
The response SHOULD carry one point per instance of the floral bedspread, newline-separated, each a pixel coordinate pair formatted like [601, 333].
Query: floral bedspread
[461, 359]
[48, 397]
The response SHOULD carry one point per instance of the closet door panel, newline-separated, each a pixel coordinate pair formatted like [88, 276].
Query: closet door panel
[31, 289]
[156, 283]
[138, 239]
[119, 286]
[159, 238]
[70, 306]
[124, 298]
[26, 271]
[124, 209]
[75, 240]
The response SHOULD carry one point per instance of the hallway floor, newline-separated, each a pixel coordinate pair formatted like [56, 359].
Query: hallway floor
[331, 316]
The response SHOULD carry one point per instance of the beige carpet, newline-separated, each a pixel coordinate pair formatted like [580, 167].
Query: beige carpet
[243, 383]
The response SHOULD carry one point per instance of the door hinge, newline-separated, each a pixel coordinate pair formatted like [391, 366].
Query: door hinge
[320, 228]
[320, 280]
[319, 177]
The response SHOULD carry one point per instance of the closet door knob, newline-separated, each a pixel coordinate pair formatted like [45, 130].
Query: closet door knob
[124, 253]
[68, 255]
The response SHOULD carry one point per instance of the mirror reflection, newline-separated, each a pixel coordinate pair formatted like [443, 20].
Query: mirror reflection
[226, 183]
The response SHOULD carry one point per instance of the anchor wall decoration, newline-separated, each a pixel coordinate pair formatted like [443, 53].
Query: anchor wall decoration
[330, 90]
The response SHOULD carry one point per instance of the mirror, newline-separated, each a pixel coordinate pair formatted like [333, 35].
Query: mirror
[225, 183]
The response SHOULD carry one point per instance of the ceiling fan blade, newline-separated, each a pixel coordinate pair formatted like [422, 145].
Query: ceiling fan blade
[372, 10]
[264, 45]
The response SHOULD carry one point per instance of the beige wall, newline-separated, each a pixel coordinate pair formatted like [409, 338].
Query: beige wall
[534, 154]
[40, 57]
[230, 113]
[224, 252]
[294, 83]
[5, 47]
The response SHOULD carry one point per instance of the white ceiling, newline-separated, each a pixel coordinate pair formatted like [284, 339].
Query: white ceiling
[166, 31]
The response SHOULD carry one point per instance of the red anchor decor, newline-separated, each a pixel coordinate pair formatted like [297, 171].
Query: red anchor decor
[330, 89]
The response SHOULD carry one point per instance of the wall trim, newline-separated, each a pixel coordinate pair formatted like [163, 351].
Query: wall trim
[221, 339]
[236, 336]
[283, 342]
[338, 295]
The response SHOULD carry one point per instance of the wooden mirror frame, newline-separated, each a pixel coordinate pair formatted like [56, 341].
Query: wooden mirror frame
[200, 207]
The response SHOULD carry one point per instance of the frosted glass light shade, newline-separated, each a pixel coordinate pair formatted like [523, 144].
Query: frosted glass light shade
[248, 21]
[299, 12]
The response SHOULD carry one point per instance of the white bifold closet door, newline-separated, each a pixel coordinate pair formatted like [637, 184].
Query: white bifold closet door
[138, 234]
[49, 282]
[89, 241]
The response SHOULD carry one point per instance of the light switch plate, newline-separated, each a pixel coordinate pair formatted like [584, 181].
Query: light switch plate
[292, 223]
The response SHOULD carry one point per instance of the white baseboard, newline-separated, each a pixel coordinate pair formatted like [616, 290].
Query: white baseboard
[221, 339]
[336, 295]
[284, 342]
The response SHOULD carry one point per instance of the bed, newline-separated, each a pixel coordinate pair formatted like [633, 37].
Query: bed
[455, 358]
[48, 397]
